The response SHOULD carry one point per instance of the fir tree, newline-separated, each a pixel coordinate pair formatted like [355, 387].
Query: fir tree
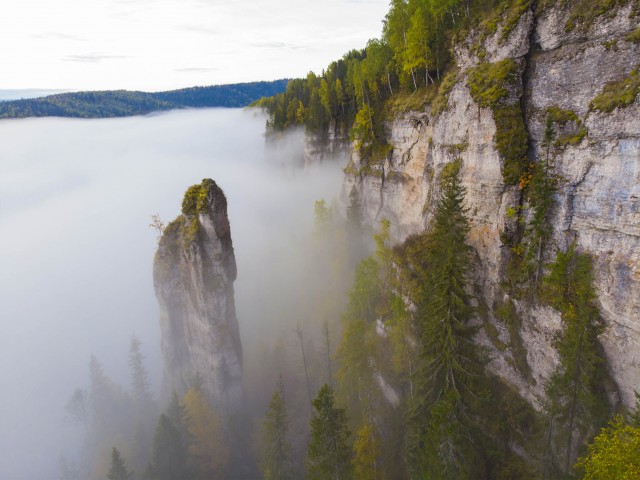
[329, 455]
[118, 470]
[276, 461]
[577, 401]
[447, 380]
[139, 375]
[170, 458]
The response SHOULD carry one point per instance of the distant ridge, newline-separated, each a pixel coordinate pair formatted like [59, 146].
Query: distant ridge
[124, 103]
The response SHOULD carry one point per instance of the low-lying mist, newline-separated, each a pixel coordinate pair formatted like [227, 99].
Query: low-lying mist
[76, 254]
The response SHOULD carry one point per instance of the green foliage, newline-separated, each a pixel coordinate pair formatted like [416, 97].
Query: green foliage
[169, 450]
[489, 82]
[572, 128]
[122, 103]
[362, 132]
[512, 14]
[618, 94]
[408, 101]
[633, 36]
[439, 103]
[196, 198]
[577, 401]
[585, 12]
[118, 470]
[450, 364]
[511, 142]
[329, 454]
[614, 453]
[490, 85]
[507, 313]
[276, 455]
[366, 453]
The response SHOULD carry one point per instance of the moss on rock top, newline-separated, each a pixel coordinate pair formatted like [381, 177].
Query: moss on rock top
[197, 197]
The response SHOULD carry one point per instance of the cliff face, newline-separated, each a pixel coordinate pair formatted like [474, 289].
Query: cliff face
[596, 154]
[193, 272]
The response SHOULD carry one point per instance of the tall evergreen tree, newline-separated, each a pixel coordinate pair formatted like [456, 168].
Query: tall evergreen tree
[118, 470]
[170, 457]
[329, 455]
[139, 375]
[447, 379]
[577, 401]
[276, 457]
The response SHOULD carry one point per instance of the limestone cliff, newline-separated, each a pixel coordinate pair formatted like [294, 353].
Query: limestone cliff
[596, 154]
[193, 273]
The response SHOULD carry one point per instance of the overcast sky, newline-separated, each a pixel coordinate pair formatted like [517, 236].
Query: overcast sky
[166, 44]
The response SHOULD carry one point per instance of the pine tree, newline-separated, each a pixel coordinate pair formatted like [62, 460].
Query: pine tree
[139, 375]
[276, 457]
[577, 401]
[329, 455]
[118, 470]
[447, 379]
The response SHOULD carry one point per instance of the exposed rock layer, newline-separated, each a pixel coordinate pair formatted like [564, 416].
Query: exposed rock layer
[597, 204]
[194, 271]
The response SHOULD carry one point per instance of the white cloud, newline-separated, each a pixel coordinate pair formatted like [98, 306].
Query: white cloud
[151, 45]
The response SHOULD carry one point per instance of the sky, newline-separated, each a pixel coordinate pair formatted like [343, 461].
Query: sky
[155, 45]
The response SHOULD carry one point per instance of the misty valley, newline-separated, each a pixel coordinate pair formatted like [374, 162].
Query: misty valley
[78, 290]
[422, 262]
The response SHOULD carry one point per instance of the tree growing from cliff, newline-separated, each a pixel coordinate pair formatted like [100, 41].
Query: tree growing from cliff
[329, 455]
[577, 401]
[450, 364]
[276, 455]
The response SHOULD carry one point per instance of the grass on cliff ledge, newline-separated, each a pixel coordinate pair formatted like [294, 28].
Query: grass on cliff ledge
[489, 85]
[584, 13]
[567, 120]
[618, 94]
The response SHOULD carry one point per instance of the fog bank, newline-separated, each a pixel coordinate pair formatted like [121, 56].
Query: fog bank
[76, 250]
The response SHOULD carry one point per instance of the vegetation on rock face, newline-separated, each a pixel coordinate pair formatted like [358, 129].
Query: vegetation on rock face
[618, 94]
[576, 398]
[571, 129]
[196, 198]
[613, 454]
[450, 363]
[491, 85]
[399, 72]
[634, 36]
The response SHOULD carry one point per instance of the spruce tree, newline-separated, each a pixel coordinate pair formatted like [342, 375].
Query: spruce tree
[577, 401]
[329, 455]
[276, 458]
[118, 470]
[450, 364]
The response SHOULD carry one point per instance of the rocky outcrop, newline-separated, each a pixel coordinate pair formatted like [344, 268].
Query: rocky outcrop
[597, 203]
[331, 144]
[193, 273]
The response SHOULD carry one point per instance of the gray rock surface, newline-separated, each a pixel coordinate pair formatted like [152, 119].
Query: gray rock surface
[193, 273]
[597, 204]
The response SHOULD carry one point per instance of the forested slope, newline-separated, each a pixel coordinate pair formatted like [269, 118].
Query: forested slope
[123, 103]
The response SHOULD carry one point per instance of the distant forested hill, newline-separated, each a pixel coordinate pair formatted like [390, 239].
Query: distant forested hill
[123, 103]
